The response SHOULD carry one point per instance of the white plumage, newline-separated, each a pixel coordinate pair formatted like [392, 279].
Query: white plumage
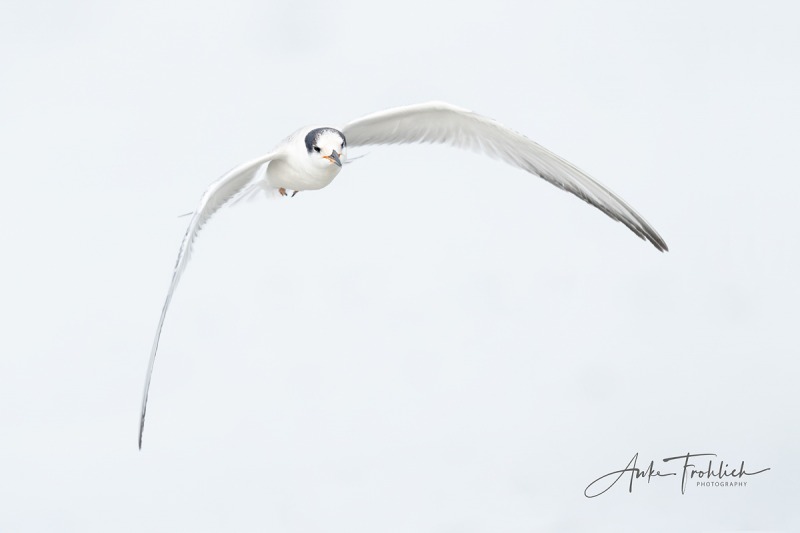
[311, 158]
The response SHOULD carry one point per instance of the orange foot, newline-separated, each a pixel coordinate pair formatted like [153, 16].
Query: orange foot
[282, 191]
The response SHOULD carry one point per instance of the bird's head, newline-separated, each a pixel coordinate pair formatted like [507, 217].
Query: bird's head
[326, 146]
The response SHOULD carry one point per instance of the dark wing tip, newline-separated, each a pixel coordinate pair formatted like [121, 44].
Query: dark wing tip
[141, 419]
[649, 234]
[656, 240]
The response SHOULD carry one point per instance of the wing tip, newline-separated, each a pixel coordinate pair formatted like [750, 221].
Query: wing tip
[655, 239]
[141, 430]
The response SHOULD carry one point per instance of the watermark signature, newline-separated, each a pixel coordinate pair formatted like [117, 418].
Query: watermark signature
[718, 473]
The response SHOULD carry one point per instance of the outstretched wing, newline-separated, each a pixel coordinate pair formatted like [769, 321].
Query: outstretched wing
[439, 122]
[217, 195]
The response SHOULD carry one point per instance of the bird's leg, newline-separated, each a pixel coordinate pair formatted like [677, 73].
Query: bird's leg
[295, 192]
[282, 191]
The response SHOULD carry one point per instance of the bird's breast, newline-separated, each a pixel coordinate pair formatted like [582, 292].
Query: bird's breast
[300, 177]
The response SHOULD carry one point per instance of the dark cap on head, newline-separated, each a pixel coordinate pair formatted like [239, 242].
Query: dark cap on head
[314, 134]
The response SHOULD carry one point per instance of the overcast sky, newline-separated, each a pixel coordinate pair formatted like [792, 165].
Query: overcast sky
[437, 342]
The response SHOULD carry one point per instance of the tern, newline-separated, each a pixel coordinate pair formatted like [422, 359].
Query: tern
[311, 157]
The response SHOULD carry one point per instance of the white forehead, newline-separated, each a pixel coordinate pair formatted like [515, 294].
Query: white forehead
[329, 138]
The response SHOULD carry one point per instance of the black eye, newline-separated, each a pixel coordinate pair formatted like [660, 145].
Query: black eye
[316, 148]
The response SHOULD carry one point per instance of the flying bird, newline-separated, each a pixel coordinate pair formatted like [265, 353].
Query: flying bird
[312, 157]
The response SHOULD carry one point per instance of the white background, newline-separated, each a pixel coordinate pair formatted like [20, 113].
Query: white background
[436, 342]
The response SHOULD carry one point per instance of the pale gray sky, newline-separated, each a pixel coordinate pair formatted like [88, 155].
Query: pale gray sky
[436, 342]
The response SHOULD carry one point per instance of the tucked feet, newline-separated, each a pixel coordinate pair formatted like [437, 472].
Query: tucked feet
[282, 191]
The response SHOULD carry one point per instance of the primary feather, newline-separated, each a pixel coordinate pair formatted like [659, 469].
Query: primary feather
[217, 195]
[439, 122]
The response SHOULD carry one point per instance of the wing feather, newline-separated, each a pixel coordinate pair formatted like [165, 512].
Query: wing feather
[218, 194]
[442, 123]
